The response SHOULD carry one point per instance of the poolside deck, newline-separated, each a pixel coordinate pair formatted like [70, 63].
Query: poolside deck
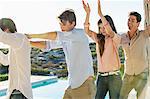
[54, 90]
[35, 80]
[4, 84]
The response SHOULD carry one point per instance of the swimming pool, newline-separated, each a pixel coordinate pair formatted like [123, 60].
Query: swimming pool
[36, 84]
[53, 90]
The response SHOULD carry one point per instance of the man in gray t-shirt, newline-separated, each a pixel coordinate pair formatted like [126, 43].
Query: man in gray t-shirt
[78, 56]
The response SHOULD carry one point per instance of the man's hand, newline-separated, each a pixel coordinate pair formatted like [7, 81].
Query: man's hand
[28, 36]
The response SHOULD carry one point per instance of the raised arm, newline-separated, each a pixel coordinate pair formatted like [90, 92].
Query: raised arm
[86, 23]
[147, 23]
[48, 35]
[148, 31]
[104, 21]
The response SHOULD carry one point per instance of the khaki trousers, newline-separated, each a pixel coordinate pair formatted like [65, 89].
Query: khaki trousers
[86, 91]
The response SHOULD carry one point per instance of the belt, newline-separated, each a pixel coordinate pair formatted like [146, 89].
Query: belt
[109, 73]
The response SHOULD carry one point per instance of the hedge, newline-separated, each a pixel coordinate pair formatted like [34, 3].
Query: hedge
[3, 77]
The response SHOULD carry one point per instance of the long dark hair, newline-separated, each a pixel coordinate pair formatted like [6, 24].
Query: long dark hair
[101, 37]
[7, 23]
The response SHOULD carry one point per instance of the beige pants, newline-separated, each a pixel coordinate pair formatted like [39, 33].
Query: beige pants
[85, 91]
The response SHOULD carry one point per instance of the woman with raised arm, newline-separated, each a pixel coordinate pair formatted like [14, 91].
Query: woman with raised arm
[107, 42]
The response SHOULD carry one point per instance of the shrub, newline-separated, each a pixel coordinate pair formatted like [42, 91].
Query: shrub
[36, 71]
[3, 77]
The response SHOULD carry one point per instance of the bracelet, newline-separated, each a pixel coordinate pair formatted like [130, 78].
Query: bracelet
[86, 24]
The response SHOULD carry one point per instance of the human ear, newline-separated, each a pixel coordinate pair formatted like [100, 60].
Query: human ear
[73, 23]
[7, 30]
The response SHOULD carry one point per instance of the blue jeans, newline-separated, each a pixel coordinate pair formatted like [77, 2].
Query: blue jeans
[111, 84]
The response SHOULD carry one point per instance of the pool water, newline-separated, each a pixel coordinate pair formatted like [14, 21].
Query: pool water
[53, 90]
[56, 91]
[35, 84]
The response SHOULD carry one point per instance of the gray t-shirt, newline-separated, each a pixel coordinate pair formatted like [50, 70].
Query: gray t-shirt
[78, 55]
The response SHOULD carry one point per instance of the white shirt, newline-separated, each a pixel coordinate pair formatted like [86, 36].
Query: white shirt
[78, 56]
[19, 63]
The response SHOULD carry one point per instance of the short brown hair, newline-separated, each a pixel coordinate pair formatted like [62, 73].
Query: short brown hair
[137, 15]
[68, 15]
[7, 23]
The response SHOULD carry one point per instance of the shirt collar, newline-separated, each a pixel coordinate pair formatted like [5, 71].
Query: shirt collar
[68, 33]
[137, 33]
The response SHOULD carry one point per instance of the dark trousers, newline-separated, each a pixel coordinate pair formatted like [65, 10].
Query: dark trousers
[137, 82]
[16, 94]
[111, 84]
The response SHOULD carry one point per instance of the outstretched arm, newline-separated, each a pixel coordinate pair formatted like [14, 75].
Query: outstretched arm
[38, 44]
[104, 21]
[48, 35]
[147, 31]
[86, 23]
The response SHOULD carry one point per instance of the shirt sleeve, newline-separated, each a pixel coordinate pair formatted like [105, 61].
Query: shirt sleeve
[53, 45]
[10, 39]
[146, 33]
[60, 36]
[117, 39]
[4, 58]
[124, 39]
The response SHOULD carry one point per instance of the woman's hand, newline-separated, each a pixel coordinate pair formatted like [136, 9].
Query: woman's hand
[86, 7]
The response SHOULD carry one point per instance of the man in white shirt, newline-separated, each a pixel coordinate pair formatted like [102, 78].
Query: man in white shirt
[18, 60]
[78, 56]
